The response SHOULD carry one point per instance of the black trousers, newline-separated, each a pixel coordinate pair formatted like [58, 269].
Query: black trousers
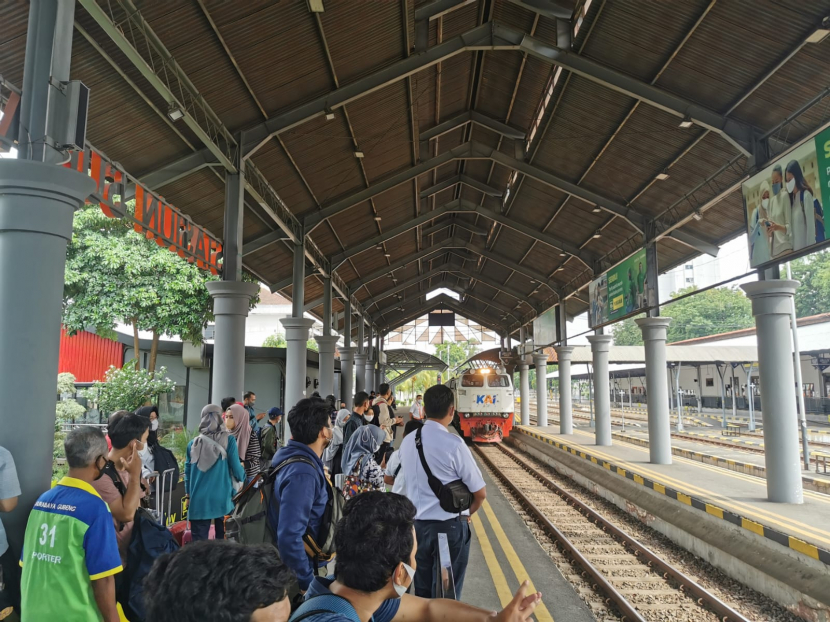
[458, 537]
[200, 529]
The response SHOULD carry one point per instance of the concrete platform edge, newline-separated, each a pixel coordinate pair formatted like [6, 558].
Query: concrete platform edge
[740, 549]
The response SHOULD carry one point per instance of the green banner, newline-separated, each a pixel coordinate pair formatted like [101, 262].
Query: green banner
[619, 292]
[786, 201]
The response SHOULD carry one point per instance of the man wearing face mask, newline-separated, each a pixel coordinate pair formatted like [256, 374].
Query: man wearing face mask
[301, 490]
[120, 486]
[373, 586]
[779, 213]
[70, 554]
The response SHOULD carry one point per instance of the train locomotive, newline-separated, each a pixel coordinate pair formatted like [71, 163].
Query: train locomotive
[483, 404]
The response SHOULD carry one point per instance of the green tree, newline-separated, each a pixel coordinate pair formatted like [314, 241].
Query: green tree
[459, 351]
[67, 409]
[813, 295]
[710, 312]
[128, 388]
[114, 275]
[276, 340]
[311, 344]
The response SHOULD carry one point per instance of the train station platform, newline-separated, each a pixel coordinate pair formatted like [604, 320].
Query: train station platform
[720, 515]
[500, 562]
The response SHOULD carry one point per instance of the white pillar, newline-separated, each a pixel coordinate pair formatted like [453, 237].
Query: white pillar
[231, 300]
[659, 425]
[325, 348]
[360, 372]
[600, 346]
[296, 362]
[369, 384]
[540, 360]
[37, 205]
[524, 390]
[347, 376]
[771, 302]
[566, 423]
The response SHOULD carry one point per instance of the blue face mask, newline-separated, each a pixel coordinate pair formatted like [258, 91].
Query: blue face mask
[776, 188]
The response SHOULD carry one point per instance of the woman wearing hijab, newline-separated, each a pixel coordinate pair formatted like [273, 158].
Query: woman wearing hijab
[212, 465]
[759, 238]
[359, 459]
[803, 214]
[333, 455]
[250, 450]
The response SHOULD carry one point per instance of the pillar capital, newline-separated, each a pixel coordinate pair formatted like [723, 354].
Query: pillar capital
[771, 297]
[296, 328]
[654, 328]
[231, 297]
[563, 353]
[346, 354]
[360, 358]
[540, 359]
[327, 343]
[600, 343]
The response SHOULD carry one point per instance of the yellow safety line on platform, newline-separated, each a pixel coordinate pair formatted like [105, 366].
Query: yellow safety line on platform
[541, 613]
[754, 479]
[499, 580]
[790, 524]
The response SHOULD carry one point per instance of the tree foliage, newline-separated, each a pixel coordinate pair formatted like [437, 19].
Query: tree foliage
[67, 409]
[277, 340]
[129, 388]
[813, 295]
[115, 275]
[710, 312]
[459, 351]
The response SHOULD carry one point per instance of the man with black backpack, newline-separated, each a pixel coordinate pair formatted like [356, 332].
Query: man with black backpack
[301, 491]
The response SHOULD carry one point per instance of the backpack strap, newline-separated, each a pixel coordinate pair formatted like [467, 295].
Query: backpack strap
[325, 603]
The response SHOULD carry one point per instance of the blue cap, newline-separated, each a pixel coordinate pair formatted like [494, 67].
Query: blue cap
[275, 412]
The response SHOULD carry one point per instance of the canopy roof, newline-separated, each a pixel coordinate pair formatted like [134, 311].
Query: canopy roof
[507, 148]
[404, 358]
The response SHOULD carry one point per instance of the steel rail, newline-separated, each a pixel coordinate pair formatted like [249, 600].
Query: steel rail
[703, 597]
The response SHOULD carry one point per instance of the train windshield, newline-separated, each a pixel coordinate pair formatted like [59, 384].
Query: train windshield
[498, 381]
[472, 381]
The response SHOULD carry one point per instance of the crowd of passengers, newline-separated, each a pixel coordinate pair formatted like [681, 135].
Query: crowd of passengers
[75, 550]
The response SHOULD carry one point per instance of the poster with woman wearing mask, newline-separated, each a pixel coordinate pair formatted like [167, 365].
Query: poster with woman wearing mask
[785, 203]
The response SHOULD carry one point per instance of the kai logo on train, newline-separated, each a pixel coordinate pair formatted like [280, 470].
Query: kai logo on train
[486, 399]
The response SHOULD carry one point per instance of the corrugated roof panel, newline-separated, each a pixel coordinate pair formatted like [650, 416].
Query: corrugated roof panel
[275, 165]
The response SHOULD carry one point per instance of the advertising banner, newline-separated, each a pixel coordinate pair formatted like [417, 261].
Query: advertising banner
[785, 203]
[619, 292]
[544, 328]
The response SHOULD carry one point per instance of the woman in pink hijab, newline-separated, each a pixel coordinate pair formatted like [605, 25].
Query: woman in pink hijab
[250, 450]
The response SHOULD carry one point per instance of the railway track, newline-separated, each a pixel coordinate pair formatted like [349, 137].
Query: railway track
[641, 586]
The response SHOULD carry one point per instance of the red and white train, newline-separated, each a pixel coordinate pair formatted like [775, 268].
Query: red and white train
[483, 403]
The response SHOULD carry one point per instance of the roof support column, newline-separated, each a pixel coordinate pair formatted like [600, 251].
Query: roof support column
[379, 379]
[524, 379]
[37, 204]
[231, 300]
[600, 347]
[563, 356]
[652, 290]
[540, 360]
[360, 358]
[326, 344]
[48, 54]
[657, 398]
[370, 363]
[347, 358]
[296, 336]
[771, 305]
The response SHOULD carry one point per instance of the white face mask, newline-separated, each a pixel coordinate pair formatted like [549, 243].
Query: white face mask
[791, 185]
[400, 590]
[369, 417]
[765, 203]
[154, 425]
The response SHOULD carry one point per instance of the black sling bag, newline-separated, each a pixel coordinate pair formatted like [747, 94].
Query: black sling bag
[453, 497]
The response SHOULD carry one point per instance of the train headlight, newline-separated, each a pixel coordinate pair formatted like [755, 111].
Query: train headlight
[505, 415]
[466, 415]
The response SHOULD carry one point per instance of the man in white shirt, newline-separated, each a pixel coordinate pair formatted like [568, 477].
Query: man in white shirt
[449, 459]
[417, 409]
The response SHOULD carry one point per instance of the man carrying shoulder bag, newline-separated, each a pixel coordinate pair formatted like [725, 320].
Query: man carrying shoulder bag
[446, 488]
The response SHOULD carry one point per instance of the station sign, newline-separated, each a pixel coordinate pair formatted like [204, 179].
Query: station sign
[785, 203]
[152, 217]
[618, 292]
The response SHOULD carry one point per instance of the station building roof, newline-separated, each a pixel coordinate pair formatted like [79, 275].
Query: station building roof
[512, 149]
